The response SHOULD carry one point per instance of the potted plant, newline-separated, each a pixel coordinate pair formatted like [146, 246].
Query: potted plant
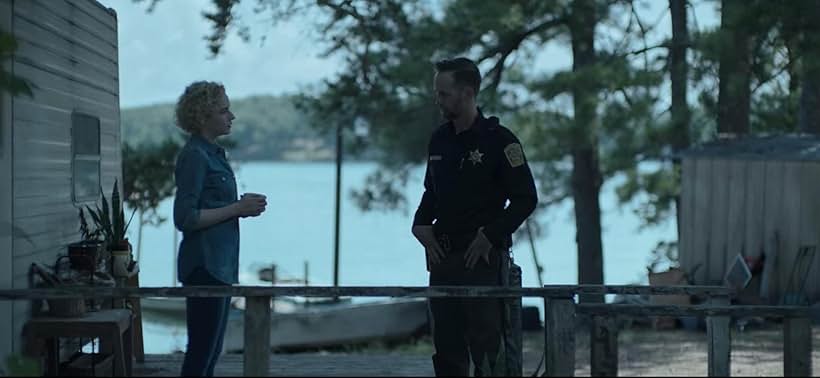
[113, 229]
[85, 254]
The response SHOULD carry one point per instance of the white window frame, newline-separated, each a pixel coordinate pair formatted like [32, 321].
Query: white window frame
[76, 121]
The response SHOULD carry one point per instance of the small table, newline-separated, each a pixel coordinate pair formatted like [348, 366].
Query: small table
[112, 327]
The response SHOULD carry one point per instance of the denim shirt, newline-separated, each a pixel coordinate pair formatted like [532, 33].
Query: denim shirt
[205, 180]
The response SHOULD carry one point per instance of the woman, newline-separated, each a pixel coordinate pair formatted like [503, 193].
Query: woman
[207, 212]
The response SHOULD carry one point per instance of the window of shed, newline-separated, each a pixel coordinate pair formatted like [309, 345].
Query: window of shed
[85, 161]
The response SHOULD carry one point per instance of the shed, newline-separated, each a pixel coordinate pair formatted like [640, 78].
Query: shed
[58, 147]
[752, 195]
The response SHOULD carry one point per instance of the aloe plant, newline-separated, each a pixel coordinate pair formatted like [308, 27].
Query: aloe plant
[111, 224]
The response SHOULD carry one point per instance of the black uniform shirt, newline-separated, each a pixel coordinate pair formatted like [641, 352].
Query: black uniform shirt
[471, 176]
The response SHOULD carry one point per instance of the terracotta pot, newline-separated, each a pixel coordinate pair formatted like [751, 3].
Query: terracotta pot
[84, 255]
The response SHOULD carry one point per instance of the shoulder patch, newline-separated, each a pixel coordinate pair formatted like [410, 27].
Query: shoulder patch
[515, 155]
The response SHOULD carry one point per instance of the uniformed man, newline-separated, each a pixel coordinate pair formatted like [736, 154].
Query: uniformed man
[475, 166]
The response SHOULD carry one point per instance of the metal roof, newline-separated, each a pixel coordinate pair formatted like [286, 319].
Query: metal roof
[800, 147]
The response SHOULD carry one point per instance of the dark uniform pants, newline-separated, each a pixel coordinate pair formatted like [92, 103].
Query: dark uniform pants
[465, 328]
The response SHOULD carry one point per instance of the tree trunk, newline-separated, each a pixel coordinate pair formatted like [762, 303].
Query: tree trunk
[734, 97]
[586, 172]
[808, 120]
[678, 76]
[139, 234]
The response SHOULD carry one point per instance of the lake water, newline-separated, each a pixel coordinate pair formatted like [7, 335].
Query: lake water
[376, 248]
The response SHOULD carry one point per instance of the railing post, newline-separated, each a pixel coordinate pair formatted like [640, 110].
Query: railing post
[720, 340]
[257, 336]
[559, 337]
[797, 347]
[604, 346]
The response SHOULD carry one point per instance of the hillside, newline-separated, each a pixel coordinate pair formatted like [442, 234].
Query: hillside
[265, 128]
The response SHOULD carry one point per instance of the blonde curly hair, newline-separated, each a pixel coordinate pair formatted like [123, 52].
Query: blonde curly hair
[196, 104]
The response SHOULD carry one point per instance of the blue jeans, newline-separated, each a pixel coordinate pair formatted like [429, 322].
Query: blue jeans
[207, 319]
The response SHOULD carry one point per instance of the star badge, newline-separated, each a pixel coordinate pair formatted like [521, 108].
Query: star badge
[475, 157]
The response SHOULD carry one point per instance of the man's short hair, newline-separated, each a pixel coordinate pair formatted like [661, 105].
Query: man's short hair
[465, 72]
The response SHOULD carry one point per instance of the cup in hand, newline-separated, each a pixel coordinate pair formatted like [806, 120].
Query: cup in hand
[257, 201]
[254, 195]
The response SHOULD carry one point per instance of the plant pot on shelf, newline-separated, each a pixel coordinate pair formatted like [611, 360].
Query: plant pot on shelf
[121, 261]
[85, 254]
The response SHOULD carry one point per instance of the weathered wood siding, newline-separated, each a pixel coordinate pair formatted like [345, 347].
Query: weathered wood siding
[702, 222]
[68, 50]
[6, 329]
[773, 219]
[734, 205]
[810, 222]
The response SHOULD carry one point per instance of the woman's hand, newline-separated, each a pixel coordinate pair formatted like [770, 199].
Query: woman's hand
[251, 205]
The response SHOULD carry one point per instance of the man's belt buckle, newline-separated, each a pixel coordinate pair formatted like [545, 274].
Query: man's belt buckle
[444, 242]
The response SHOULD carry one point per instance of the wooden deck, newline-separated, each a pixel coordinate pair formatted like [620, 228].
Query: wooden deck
[304, 365]
[563, 349]
[312, 365]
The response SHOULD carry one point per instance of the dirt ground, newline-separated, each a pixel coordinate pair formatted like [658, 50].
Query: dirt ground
[756, 351]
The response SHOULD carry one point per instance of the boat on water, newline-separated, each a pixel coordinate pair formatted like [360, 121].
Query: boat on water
[297, 325]
[334, 325]
[173, 309]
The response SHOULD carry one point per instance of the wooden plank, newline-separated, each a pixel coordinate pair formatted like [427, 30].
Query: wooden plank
[718, 242]
[791, 224]
[38, 187]
[52, 243]
[93, 8]
[92, 17]
[686, 237]
[797, 347]
[32, 36]
[136, 308]
[702, 220]
[754, 214]
[559, 337]
[100, 73]
[719, 339]
[642, 311]
[25, 207]
[38, 225]
[58, 135]
[28, 110]
[810, 225]
[363, 291]
[8, 337]
[773, 229]
[736, 233]
[257, 336]
[64, 93]
[67, 26]
[604, 346]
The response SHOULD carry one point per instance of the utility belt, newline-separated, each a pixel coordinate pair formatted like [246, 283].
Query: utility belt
[455, 242]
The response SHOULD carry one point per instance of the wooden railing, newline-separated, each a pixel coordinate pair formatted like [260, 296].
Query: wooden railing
[560, 313]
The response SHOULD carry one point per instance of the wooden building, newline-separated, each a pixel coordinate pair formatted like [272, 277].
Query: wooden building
[752, 196]
[58, 147]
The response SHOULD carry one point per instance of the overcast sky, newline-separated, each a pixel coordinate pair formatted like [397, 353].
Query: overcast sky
[161, 52]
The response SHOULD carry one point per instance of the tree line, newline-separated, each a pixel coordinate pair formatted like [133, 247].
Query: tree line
[633, 93]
